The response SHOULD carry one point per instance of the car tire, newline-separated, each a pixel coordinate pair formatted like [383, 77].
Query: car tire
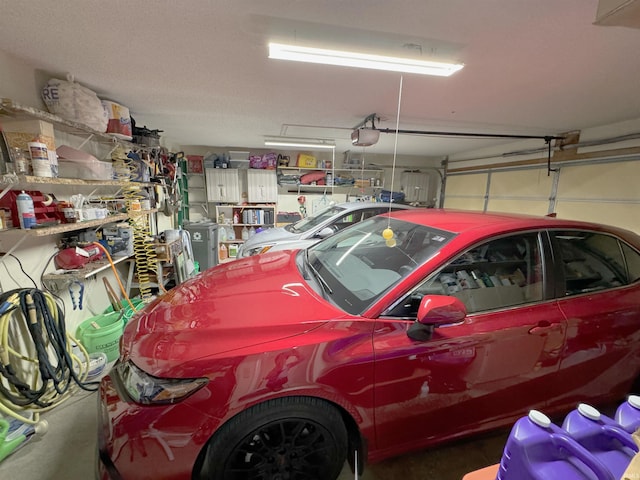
[285, 438]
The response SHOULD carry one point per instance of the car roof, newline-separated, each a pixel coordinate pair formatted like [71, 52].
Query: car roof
[363, 205]
[463, 221]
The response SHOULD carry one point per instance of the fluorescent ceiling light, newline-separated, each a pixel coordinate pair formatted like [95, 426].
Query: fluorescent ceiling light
[361, 60]
[311, 143]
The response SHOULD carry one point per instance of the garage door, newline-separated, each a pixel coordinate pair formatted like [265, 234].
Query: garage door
[605, 193]
[466, 191]
[602, 191]
[522, 190]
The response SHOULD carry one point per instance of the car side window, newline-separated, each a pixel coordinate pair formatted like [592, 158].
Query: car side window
[497, 274]
[346, 220]
[632, 259]
[591, 261]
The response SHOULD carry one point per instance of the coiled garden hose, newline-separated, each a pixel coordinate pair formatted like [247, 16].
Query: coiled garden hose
[38, 368]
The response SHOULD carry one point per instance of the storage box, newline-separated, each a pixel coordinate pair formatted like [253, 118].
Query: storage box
[95, 170]
[307, 161]
[165, 252]
[74, 163]
[18, 133]
[195, 164]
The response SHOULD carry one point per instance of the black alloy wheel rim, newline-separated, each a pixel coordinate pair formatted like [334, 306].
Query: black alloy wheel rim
[288, 449]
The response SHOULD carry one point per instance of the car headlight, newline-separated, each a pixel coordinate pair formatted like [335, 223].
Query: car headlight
[147, 389]
[256, 250]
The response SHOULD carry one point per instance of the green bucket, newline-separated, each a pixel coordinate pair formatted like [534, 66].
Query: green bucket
[138, 303]
[102, 334]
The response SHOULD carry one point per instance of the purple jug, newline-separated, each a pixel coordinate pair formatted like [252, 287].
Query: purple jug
[539, 450]
[602, 437]
[628, 414]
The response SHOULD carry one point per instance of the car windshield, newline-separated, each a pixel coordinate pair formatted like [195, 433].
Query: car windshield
[309, 223]
[356, 266]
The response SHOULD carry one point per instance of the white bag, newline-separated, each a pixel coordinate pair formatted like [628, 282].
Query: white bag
[72, 101]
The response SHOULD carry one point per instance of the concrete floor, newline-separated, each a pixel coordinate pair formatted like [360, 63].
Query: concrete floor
[67, 452]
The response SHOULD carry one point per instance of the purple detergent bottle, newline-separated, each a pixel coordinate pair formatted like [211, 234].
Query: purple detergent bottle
[628, 414]
[539, 450]
[602, 437]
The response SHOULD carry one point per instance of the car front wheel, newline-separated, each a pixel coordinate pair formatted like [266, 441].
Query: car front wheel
[289, 438]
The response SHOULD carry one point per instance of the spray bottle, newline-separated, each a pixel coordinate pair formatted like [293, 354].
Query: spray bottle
[26, 212]
[15, 434]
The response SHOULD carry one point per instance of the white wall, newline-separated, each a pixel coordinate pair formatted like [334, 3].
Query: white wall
[19, 81]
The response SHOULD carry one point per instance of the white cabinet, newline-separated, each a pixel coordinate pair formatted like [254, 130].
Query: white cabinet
[223, 185]
[262, 186]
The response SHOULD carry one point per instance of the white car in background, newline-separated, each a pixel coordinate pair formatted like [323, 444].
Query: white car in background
[310, 230]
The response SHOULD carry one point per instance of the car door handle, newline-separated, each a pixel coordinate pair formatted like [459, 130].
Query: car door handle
[544, 327]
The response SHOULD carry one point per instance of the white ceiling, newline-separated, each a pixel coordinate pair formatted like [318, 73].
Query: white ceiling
[198, 70]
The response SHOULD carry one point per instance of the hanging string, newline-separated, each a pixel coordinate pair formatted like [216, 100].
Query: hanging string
[388, 233]
[362, 191]
[395, 145]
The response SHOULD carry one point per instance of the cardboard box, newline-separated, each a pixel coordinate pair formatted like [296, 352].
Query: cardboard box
[18, 133]
[195, 164]
[307, 161]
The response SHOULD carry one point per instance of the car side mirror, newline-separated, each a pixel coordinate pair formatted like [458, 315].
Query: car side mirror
[435, 311]
[325, 232]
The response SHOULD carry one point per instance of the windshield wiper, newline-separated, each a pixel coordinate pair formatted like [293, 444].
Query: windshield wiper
[315, 272]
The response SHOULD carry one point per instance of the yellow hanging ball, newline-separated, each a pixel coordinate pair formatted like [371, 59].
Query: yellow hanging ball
[387, 233]
[391, 242]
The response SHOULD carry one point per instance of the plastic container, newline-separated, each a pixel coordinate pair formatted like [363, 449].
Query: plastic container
[539, 450]
[602, 437]
[231, 234]
[74, 163]
[26, 212]
[40, 162]
[21, 162]
[628, 414]
[102, 334]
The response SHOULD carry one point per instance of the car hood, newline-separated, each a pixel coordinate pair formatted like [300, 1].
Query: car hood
[295, 244]
[242, 304]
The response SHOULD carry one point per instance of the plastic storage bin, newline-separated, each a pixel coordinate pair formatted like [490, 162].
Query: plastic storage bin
[74, 163]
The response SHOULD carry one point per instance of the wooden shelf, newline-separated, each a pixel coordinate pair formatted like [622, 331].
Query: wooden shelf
[18, 111]
[67, 227]
[80, 274]
[31, 180]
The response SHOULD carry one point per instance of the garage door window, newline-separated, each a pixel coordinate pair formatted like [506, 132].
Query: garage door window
[591, 261]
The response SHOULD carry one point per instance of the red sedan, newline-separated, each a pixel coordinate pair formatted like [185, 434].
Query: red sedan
[394, 334]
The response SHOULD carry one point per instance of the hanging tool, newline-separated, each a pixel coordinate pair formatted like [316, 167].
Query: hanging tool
[80, 289]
